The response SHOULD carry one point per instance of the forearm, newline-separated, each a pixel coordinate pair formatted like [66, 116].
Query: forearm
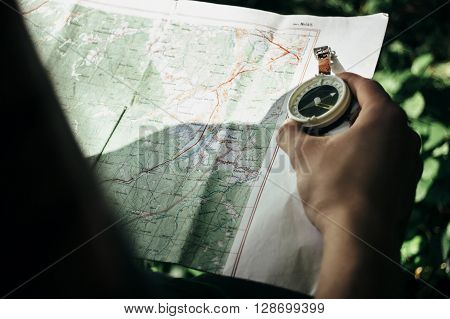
[360, 258]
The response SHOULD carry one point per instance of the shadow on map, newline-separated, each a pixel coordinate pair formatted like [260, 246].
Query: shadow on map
[183, 190]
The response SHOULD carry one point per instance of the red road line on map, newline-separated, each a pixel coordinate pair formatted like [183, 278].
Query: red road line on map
[216, 91]
[206, 125]
[178, 154]
[233, 77]
[278, 57]
[169, 160]
[241, 246]
[286, 51]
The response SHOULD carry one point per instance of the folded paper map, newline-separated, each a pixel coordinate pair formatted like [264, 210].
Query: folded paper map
[177, 105]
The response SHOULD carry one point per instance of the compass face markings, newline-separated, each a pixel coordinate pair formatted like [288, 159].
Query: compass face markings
[318, 101]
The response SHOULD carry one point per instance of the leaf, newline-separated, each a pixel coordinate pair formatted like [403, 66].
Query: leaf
[397, 47]
[417, 260]
[422, 190]
[414, 105]
[430, 170]
[421, 126]
[194, 272]
[441, 150]
[440, 71]
[436, 134]
[410, 247]
[446, 242]
[177, 271]
[420, 64]
[392, 82]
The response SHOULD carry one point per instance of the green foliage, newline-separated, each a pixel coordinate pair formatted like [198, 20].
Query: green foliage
[421, 63]
[411, 248]
[414, 69]
[414, 105]
[175, 271]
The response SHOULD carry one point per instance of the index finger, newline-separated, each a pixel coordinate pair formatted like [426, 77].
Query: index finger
[375, 103]
[369, 93]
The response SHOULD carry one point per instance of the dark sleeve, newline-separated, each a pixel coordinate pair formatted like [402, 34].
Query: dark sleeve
[57, 235]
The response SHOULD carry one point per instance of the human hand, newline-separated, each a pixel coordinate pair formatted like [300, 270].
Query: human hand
[373, 166]
[358, 189]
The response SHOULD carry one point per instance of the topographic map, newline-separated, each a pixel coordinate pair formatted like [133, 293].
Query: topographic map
[176, 113]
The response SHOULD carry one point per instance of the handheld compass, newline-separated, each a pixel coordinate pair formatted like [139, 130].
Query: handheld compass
[321, 103]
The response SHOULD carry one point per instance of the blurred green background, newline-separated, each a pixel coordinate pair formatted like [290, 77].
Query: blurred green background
[414, 68]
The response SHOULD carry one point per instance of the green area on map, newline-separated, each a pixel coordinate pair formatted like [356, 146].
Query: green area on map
[176, 115]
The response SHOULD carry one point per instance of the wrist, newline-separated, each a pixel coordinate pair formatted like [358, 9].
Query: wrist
[361, 227]
[359, 257]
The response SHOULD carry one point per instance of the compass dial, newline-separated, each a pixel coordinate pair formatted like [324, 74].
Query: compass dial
[319, 101]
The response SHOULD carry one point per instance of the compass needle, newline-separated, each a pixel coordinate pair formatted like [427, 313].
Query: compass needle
[327, 106]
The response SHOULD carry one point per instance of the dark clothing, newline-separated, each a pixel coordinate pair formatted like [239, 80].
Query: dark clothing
[57, 235]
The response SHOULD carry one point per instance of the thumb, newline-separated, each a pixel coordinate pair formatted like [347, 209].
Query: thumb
[296, 143]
